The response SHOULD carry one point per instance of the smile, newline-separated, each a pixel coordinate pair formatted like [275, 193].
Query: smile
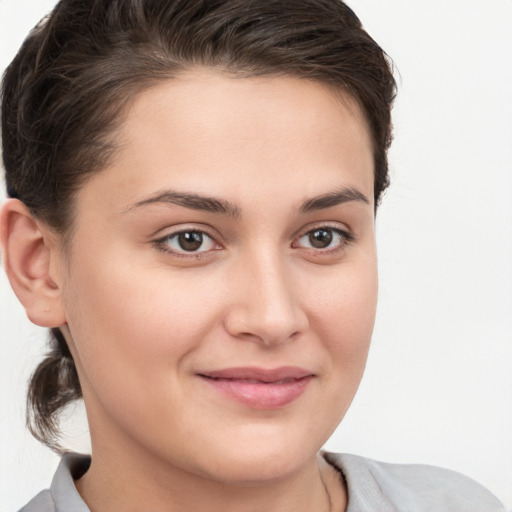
[260, 388]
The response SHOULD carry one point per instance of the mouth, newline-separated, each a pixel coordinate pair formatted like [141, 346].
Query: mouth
[260, 388]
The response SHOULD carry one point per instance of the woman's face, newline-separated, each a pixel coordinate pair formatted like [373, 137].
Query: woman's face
[221, 283]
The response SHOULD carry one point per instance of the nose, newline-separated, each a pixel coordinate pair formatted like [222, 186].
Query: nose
[267, 307]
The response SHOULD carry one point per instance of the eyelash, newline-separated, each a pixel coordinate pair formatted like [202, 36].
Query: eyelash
[163, 243]
[344, 239]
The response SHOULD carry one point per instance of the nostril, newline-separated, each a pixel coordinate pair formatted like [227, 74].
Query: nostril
[266, 309]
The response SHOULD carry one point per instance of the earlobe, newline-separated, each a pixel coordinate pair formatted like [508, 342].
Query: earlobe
[27, 254]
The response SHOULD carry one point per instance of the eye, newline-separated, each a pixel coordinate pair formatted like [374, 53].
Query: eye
[323, 238]
[190, 241]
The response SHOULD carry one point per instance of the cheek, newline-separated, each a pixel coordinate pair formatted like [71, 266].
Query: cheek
[346, 300]
[134, 338]
[128, 320]
[344, 316]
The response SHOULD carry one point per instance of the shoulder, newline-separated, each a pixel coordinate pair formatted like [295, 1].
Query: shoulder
[43, 502]
[381, 487]
[62, 495]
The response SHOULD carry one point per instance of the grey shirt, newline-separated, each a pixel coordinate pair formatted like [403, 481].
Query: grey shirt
[372, 487]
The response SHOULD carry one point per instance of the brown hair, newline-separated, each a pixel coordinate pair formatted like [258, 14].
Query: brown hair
[64, 93]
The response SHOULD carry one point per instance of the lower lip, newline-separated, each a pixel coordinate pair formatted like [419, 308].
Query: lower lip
[261, 395]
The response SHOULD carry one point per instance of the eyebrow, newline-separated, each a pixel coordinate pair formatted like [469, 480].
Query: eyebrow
[214, 205]
[193, 201]
[340, 196]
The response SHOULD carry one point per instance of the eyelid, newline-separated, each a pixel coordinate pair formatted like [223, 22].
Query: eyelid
[346, 235]
[161, 241]
[334, 226]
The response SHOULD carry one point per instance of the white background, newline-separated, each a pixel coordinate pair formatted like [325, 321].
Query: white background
[438, 387]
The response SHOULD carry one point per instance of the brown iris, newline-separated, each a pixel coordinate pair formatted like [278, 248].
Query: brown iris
[320, 238]
[190, 240]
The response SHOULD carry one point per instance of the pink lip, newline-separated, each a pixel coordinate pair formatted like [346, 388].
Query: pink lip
[260, 388]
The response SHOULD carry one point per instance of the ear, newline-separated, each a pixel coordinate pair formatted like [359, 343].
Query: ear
[27, 250]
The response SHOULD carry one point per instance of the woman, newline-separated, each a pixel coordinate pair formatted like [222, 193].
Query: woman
[194, 187]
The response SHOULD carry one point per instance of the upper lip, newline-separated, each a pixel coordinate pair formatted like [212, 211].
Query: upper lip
[268, 375]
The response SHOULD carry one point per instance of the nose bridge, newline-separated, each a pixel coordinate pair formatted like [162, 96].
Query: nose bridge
[268, 310]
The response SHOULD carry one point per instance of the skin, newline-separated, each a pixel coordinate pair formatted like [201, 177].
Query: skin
[143, 321]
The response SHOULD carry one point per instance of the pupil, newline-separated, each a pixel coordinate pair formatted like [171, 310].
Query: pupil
[190, 240]
[320, 238]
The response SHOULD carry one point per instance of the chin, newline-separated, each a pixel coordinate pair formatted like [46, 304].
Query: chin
[254, 472]
[260, 460]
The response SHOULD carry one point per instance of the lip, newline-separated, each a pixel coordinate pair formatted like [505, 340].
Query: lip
[260, 388]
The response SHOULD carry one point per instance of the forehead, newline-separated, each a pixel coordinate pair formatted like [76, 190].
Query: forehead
[207, 131]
